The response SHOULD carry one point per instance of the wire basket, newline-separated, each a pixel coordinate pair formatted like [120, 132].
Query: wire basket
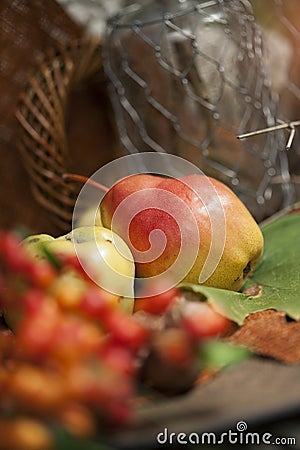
[280, 22]
[187, 77]
[41, 113]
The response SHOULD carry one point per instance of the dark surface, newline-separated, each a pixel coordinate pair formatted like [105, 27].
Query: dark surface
[263, 393]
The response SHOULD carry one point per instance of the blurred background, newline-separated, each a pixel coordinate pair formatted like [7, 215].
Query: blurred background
[184, 77]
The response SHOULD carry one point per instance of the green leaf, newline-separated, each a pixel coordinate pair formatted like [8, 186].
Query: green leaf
[234, 305]
[217, 354]
[67, 441]
[50, 256]
[277, 275]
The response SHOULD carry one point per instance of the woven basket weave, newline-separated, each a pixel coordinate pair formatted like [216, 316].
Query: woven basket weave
[42, 118]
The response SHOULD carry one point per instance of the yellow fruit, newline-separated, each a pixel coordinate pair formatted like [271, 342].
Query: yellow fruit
[34, 244]
[104, 255]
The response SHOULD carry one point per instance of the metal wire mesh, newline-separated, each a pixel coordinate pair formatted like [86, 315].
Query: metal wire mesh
[187, 77]
[280, 22]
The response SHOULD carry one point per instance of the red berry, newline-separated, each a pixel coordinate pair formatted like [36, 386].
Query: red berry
[98, 303]
[72, 262]
[118, 357]
[35, 336]
[202, 321]
[14, 255]
[32, 300]
[156, 304]
[37, 331]
[75, 338]
[174, 347]
[126, 330]
[42, 274]
[18, 307]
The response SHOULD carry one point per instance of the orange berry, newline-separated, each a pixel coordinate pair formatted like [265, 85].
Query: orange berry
[77, 419]
[25, 434]
[68, 290]
[37, 389]
[174, 346]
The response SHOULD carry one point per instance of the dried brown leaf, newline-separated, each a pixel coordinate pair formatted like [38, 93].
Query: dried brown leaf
[269, 333]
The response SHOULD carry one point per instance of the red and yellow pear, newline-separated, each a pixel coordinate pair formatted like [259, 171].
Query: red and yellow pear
[218, 214]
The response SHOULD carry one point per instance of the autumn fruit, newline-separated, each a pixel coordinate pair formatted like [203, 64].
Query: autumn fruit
[202, 209]
[106, 258]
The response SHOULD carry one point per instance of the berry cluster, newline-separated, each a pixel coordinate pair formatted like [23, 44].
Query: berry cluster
[74, 357]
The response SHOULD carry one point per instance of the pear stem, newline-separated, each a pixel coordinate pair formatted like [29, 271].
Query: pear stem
[82, 179]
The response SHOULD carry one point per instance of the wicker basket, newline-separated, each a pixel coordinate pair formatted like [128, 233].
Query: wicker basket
[42, 118]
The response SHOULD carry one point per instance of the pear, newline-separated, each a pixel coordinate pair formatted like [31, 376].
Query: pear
[104, 256]
[122, 190]
[34, 244]
[219, 215]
